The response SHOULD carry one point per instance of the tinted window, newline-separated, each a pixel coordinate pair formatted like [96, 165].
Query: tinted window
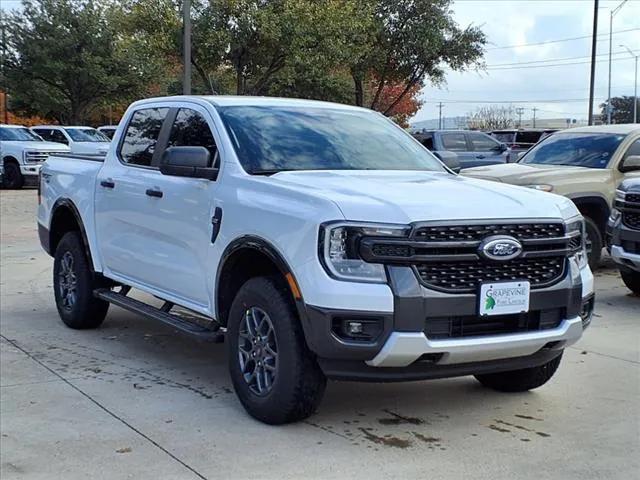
[18, 134]
[634, 149]
[58, 137]
[190, 129]
[504, 137]
[528, 138]
[593, 150]
[86, 135]
[454, 141]
[141, 136]
[268, 139]
[482, 143]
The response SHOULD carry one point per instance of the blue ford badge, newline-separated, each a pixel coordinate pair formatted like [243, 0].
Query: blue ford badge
[500, 248]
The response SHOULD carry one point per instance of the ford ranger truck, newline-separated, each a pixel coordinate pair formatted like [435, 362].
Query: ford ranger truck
[623, 231]
[322, 241]
[21, 155]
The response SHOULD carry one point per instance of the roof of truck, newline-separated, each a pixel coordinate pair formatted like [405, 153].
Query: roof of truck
[246, 100]
[81, 127]
[623, 128]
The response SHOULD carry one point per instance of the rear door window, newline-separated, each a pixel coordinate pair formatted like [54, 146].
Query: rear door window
[456, 142]
[482, 143]
[141, 136]
[45, 133]
[190, 129]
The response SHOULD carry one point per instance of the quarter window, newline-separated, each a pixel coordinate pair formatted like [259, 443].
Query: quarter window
[190, 129]
[634, 149]
[456, 142]
[141, 136]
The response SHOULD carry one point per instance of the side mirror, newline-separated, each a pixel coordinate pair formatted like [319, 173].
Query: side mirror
[194, 162]
[502, 147]
[630, 164]
[450, 159]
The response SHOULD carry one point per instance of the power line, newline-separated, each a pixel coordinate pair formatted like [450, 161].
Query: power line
[621, 52]
[551, 65]
[559, 40]
[554, 100]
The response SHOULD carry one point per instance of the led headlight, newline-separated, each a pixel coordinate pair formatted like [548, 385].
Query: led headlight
[575, 228]
[542, 188]
[339, 245]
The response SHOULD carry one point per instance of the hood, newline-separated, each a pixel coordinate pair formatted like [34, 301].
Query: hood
[40, 146]
[410, 196]
[528, 174]
[90, 147]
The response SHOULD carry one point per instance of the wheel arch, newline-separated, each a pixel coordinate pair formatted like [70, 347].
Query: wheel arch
[65, 217]
[244, 258]
[594, 206]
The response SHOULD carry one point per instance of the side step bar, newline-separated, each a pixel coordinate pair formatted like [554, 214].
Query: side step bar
[211, 332]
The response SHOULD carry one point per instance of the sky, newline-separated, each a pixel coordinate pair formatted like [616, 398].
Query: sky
[555, 91]
[510, 23]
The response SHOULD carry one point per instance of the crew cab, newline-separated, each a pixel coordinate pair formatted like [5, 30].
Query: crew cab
[584, 164]
[79, 139]
[21, 155]
[320, 241]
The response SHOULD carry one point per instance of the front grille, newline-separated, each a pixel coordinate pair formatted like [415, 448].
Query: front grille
[447, 257]
[632, 197]
[472, 325]
[631, 220]
[467, 276]
[37, 157]
[478, 232]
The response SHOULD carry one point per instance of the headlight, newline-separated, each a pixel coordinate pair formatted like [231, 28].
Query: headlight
[339, 245]
[542, 188]
[576, 230]
[620, 196]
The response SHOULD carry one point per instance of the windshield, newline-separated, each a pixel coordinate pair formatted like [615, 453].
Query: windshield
[18, 135]
[592, 150]
[272, 139]
[86, 135]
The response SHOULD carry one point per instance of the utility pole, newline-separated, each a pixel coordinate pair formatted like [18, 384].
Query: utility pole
[186, 46]
[534, 116]
[5, 102]
[611, 15]
[594, 42]
[635, 85]
[440, 105]
[519, 111]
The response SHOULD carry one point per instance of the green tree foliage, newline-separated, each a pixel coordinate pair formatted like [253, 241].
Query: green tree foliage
[622, 109]
[63, 59]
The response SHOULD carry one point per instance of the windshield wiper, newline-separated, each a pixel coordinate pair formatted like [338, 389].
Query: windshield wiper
[269, 171]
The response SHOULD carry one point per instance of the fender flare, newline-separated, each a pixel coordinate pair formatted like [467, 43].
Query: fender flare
[597, 200]
[68, 204]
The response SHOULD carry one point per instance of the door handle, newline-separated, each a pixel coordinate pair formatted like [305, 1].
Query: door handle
[154, 193]
[107, 183]
[480, 156]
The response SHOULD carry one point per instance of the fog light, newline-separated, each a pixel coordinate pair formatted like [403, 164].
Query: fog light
[354, 328]
[359, 329]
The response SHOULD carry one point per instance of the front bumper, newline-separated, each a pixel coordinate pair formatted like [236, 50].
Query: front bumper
[30, 170]
[404, 351]
[623, 244]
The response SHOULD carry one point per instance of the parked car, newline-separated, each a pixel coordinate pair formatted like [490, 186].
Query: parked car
[472, 149]
[79, 139]
[585, 164]
[623, 231]
[520, 140]
[108, 130]
[323, 241]
[21, 154]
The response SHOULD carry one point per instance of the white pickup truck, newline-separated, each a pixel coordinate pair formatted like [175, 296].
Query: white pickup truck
[322, 241]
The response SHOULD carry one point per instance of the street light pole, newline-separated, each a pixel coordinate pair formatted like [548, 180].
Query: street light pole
[594, 43]
[186, 46]
[635, 84]
[611, 15]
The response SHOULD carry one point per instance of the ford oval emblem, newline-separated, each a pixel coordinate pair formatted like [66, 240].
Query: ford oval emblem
[500, 248]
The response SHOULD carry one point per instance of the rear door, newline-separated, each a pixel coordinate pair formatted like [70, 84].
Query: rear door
[485, 150]
[457, 142]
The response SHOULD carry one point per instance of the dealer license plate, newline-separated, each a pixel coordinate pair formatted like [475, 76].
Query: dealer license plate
[503, 298]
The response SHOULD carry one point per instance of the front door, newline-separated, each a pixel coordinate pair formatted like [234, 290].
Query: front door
[484, 149]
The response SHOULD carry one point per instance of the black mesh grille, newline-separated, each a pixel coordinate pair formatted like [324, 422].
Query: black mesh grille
[522, 231]
[473, 325]
[632, 197]
[631, 220]
[467, 276]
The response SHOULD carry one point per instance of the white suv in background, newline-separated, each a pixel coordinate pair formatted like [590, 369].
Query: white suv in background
[84, 140]
[21, 154]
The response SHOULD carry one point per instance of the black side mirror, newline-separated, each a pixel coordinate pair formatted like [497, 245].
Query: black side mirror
[630, 164]
[194, 162]
[502, 147]
[450, 159]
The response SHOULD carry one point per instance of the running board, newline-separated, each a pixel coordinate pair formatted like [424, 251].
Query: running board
[211, 332]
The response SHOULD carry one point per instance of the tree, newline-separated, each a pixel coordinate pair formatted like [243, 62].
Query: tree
[63, 59]
[402, 110]
[493, 117]
[622, 109]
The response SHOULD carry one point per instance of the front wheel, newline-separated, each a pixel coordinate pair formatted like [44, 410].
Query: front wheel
[274, 374]
[631, 279]
[521, 380]
[594, 243]
[12, 176]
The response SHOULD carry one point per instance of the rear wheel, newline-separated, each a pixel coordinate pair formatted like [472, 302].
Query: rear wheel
[521, 380]
[631, 279]
[12, 176]
[275, 376]
[594, 243]
[74, 283]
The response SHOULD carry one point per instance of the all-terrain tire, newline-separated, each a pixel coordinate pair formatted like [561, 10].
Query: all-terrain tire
[631, 279]
[74, 283]
[521, 380]
[298, 385]
[594, 237]
[13, 178]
